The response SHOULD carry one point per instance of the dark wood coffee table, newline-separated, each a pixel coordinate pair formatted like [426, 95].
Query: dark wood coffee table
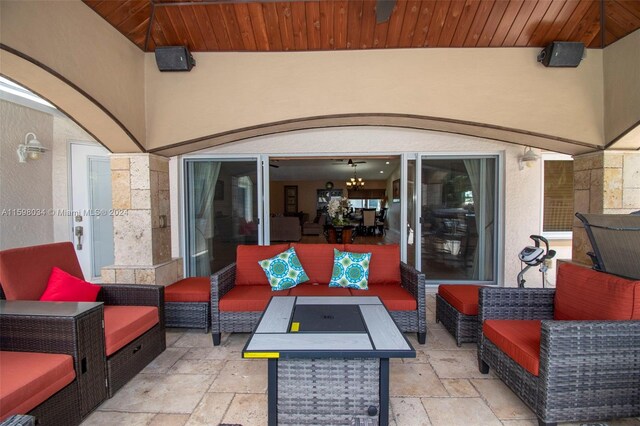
[328, 359]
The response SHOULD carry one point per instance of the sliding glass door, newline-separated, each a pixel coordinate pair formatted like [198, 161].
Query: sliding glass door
[221, 212]
[459, 218]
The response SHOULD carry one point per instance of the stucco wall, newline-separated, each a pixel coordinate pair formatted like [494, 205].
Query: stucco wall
[24, 185]
[522, 188]
[621, 93]
[76, 42]
[501, 87]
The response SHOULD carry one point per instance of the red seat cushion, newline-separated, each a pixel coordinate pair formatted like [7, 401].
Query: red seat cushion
[318, 290]
[248, 271]
[64, 287]
[519, 339]
[248, 298]
[123, 324]
[384, 267]
[33, 265]
[194, 289]
[30, 378]
[585, 294]
[394, 297]
[463, 297]
[317, 260]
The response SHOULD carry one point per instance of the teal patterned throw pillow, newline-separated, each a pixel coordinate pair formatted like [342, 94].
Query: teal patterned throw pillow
[284, 270]
[350, 270]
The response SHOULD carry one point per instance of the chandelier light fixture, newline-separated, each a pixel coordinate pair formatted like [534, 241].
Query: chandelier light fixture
[355, 182]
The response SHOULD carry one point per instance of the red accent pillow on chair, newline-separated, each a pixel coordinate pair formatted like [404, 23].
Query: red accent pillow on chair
[64, 287]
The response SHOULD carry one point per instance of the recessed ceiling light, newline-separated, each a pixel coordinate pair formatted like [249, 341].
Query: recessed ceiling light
[381, 171]
[386, 162]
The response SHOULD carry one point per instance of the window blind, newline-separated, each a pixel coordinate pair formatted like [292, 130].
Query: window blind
[558, 196]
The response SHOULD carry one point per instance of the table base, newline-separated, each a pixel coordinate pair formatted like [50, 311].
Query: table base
[328, 391]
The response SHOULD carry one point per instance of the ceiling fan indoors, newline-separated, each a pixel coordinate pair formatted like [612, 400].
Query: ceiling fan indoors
[349, 163]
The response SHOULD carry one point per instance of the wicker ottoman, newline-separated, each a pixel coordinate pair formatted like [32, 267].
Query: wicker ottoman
[457, 310]
[187, 303]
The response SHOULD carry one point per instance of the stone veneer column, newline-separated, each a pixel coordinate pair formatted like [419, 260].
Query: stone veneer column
[142, 234]
[603, 182]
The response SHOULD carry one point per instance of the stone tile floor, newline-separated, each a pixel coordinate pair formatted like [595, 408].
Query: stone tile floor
[194, 383]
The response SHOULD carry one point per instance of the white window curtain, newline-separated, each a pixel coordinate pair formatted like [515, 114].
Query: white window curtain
[480, 173]
[205, 177]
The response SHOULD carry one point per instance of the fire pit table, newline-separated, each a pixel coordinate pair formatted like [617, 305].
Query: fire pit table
[328, 359]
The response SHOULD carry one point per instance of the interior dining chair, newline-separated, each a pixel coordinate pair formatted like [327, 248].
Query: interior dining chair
[369, 220]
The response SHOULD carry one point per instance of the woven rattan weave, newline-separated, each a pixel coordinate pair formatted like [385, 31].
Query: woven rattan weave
[326, 391]
[464, 328]
[131, 359]
[244, 322]
[187, 315]
[589, 370]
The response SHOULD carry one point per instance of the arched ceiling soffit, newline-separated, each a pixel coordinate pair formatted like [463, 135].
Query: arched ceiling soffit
[78, 105]
[629, 140]
[480, 130]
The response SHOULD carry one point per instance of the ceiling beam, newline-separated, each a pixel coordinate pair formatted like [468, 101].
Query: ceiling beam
[152, 15]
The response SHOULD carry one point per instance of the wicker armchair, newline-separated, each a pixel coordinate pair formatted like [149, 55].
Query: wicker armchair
[588, 370]
[24, 274]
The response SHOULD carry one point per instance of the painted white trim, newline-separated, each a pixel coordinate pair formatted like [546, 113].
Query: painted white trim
[404, 160]
[181, 213]
[501, 228]
[418, 211]
[566, 236]
[264, 207]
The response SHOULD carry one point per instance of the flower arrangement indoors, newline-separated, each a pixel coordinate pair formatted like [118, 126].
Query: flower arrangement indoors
[337, 209]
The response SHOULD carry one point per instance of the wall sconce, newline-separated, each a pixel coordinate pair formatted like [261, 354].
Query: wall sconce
[30, 149]
[528, 158]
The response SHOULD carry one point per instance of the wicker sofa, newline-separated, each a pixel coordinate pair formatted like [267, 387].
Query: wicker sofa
[134, 330]
[240, 292]
[570, 353]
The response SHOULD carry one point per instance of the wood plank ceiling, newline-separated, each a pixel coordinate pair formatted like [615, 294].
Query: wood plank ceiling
[227, 25]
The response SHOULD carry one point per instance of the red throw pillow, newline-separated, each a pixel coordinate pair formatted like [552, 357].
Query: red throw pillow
[64, 287]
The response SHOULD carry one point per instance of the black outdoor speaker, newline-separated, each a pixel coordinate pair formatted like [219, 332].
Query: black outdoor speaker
[562, 54]
[174, 58]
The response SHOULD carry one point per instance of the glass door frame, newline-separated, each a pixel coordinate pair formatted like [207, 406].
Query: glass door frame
[262, 168]
[498, 262]
[263, 220]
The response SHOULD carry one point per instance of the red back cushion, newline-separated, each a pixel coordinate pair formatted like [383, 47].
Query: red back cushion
[585, 294]
[384, 267]
[317, 260]
[64, 287]
[25, 271]
[248, 271]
